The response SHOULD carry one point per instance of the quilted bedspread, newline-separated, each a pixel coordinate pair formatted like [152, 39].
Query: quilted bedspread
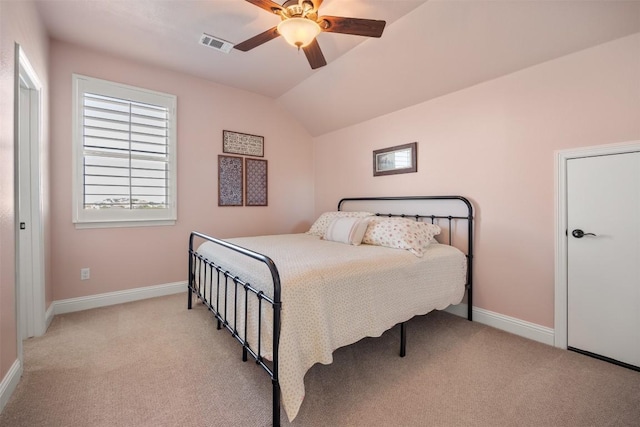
[335, 294]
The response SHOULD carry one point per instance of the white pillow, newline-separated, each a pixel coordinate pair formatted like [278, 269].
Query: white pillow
[346, 230]
[401, 233]
[319, 228]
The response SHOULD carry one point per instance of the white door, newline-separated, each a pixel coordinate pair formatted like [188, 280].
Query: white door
[25, 252]
[603, 256]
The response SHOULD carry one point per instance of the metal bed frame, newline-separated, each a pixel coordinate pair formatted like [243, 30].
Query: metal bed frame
[216, 277]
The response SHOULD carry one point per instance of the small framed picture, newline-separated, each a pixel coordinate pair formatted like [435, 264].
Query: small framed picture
[230, 177]
[242, 143]
[395, 160]
[255, 182]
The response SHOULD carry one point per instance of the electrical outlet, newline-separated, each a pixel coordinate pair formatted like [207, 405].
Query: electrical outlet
[85, 274]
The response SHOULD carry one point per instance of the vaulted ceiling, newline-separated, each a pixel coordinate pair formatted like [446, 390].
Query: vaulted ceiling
[428, 49]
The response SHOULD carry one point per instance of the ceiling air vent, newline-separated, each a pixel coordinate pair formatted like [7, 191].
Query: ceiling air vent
[215, 43]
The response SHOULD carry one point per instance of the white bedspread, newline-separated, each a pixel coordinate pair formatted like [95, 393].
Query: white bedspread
[335, 294]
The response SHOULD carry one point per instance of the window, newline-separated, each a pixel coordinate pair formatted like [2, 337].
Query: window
[124, 155]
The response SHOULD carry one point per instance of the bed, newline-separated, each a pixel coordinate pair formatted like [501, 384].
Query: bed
[291, 300]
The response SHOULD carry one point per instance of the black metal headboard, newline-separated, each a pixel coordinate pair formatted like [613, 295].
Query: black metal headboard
[437, 209]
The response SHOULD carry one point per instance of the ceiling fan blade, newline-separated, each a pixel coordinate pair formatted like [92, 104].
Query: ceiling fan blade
[256, 41]
[314, 55]
[267, 5]
[353, 26]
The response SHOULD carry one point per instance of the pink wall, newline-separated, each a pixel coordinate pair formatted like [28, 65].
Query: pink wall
[19, 23]
[125, 258]
[495, 143]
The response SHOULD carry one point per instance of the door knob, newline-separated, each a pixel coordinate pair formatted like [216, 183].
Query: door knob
[579, 234]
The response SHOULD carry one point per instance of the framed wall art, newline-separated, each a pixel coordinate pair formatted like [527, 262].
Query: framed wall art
[395, 160]
[230, 181]
[255, 182]
[242, 143]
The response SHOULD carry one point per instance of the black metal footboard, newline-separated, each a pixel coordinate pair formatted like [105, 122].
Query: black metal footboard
[206, 277]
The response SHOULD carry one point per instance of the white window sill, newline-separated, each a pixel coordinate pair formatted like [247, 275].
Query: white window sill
[123, 224]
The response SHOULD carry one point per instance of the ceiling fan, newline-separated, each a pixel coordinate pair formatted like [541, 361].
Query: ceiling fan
[301, 24]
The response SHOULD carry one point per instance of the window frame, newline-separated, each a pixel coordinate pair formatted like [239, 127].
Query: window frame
[92, 218]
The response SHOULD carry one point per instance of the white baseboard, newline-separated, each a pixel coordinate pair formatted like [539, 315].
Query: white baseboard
[525, 329]
[48, 317]
[9, 383]
[119, 297]
[499, 321]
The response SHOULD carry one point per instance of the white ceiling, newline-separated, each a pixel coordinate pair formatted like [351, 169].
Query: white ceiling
[428, 49]
[166, 33]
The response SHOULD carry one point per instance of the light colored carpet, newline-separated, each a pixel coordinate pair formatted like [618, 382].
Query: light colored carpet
[154, 363]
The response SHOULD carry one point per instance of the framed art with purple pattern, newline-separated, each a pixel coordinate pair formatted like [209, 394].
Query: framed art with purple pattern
[255, 182]
[230, 181]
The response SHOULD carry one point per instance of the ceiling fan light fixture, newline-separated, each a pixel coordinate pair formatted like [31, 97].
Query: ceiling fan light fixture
[299, 32]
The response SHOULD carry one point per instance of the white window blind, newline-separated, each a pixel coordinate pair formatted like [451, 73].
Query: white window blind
[125, 161]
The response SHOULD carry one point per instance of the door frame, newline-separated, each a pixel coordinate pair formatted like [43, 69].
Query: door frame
[561, 286]
[34, 306]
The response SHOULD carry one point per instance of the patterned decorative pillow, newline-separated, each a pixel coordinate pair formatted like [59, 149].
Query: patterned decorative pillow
[319, 228]
[401, 233]
[347, 230]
